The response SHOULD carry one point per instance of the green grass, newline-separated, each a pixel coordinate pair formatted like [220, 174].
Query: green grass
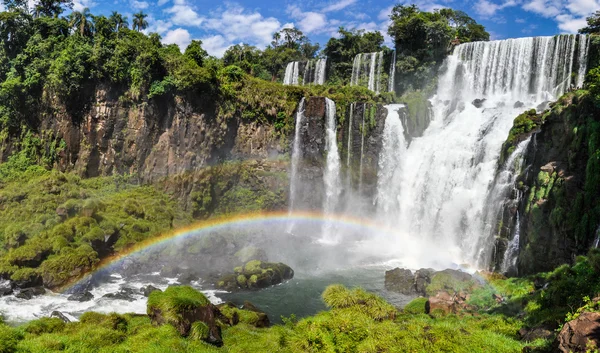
[174, 301]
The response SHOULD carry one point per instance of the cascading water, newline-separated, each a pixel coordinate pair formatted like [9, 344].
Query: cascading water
[314, 72]
[331, 175]
[390, 163]
[512, 251]
[440, 191]
[391, 85]
[296, 158]
[583, 50]
[366, 71]
[291, 73]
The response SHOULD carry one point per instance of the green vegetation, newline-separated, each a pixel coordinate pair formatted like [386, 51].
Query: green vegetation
[422, 40]
[174, 302]
[358, 321]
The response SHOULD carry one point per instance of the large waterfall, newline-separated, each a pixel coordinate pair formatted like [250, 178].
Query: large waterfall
[331, 175]
[314, 72]
[435, 191]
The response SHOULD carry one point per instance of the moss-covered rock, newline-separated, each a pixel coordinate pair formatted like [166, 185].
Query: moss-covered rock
[182, 307]
[248, 314]
[254, 275]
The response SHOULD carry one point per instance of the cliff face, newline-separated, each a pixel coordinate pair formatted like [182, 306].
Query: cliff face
[560, 185]
[154, 139]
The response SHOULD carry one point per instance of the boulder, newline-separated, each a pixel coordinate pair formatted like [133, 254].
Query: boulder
[478, 103]
[518, 104]
[5, 288]
[247, 314]
[422, 280]
[580, 334]
[188, 310]
[256, 275]
[446, 303]
[146, 291]
[451, 281]
[81, 297]
[400, 280]
[29, 293]
[170, 271]
[123, 294]
[543, 106]
[59, 315]
[530, 335]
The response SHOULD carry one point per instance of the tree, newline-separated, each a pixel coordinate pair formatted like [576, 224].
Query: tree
[52, 8]
[139, 21]
[15, 5]
[81, 21]
[119, 21]
[593, 24]
[195, 52]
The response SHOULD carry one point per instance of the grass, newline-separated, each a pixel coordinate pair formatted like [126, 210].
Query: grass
[174, 301]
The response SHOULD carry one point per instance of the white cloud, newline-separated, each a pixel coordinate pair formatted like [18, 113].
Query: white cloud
[582, 7]
[235, 24]
[162, 2]
[178, 36]
[385, 13]
[139, 5]
[308, 22]
[80, 5]
[183, 14]
[487, 8]
[570, 24]
[339, 5]
[158, 26]
[215, 45]
[544, 8]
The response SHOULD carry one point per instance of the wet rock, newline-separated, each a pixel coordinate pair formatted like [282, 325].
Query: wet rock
[478, 103]
[197, 319]
[445, 303]
[146, 291]
[124, 294]
[543, 106]
[59, 315]
[5, 288]
[256, 275]
[248, 314]
[32, 281]
[81, 297]
[29, 293]
[530, 335]
[580, 334]
[422, 280]
[187, 278]
[518, 104]
[400, 280]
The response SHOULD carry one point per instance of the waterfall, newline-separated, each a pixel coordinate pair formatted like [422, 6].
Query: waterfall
[362, 149]
[440, 195]
[390, 163]
[349, 148]
[366, 71]
[391, 86]
[320, 68]
[291, 73]
[512, 251]
[331, 175]
[296, 157]
[314, 72]
[583, 59]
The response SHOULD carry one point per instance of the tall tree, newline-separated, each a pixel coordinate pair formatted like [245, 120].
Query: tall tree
[81, 21]
[195, 52]
[119, 21]
[14, 5]
[593, 24]
[52, 8]
[139, 21]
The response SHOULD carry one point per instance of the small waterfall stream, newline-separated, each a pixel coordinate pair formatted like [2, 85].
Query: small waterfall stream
[331, 176]
[314, 72]
[366, 71]
[296, 158]
[512, 251]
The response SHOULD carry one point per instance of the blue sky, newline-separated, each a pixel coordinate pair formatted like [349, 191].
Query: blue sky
[221, 24]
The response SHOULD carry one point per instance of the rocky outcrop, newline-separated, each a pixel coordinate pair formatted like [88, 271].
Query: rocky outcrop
[153, 139]
[556, 194]
[361, 142]
[247, 314]
[256, 275]
[188, 311]
[580, 335]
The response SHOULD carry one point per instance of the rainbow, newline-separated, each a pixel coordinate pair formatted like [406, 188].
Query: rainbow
[240, 220]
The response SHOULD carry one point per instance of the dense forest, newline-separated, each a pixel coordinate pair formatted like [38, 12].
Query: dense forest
[63, 209]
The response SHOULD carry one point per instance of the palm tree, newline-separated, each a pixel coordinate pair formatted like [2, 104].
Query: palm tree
[119, 21]
[139, 21]
[81, 21]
